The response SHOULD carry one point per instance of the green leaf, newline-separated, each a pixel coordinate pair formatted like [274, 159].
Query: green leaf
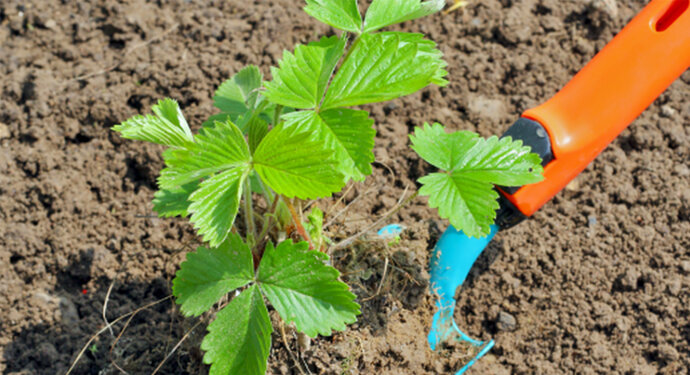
[348, 132]
[239, 93]
[218, 148]
[382, 13]
[334, 48]
[168, 126]
[440, 149]
[314, 226]
[240, 100]
[258, 129]
[209, 274]
[385, 66]
[174, 201]
[218, 117]
[263, 111]
[465, 193]
[341, 14]
[297, 163]
[468, 204]
[215, 204]
[304, 290]
[239, 339]
[499, 161]
[301, 80]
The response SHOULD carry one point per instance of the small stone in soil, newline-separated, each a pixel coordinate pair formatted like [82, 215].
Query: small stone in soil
[674, 286]
[70, 316]
[4, 131]
[682, 170]
[608, 6]
[487, 108]
[506, 322]
[391, 106]
[629, 279]
[573, 185]
[685, 266]
[592, 221]
[667, 111]
[668, 353]
[303, 341]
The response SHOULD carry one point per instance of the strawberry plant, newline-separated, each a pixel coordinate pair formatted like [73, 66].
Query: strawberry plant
[275, 144]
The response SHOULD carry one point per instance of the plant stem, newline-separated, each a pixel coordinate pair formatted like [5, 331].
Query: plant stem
[298, 223]
[349, 51]
[330, 79]
[276, 114]
[266, 191]
[266, 227]
[248, 212]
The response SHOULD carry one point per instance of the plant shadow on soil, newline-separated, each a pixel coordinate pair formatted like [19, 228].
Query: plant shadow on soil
[136, 346]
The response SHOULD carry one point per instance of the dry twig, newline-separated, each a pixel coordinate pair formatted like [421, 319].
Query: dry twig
[332, 220]
[383, 278]
[103, 329]
[401, 203]
[160, 365]
[458, 4]
[119, 368]
[287, 346]
[105, 306]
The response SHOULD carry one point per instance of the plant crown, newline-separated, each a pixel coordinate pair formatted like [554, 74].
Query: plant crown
[292, 139]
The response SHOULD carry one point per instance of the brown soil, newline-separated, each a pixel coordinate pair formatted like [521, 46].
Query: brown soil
[597, 281]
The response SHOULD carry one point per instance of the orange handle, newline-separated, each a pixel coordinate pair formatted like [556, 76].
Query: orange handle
[620, 82]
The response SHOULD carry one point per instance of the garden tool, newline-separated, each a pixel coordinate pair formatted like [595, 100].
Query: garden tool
[568, 131]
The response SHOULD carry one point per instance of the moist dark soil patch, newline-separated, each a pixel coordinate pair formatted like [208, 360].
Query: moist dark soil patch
[597, 281]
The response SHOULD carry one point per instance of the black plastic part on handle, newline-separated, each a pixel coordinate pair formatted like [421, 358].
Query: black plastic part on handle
[507, 215]
[534, 135]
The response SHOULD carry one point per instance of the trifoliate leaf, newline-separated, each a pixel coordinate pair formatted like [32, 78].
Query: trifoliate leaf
[304, 290]
[209, 274]
[168, 126]
[348, 132]
[215, 204]
[240, 101]
[239, 93]
[174, 201]
[297, 163]
[382, 13]
[239, 340]
[218, 148]
[465, 193]
[341, 14]
[301, 80]
[385, 66]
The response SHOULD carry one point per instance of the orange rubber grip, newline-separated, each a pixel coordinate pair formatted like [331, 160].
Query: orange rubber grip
[618, 84]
